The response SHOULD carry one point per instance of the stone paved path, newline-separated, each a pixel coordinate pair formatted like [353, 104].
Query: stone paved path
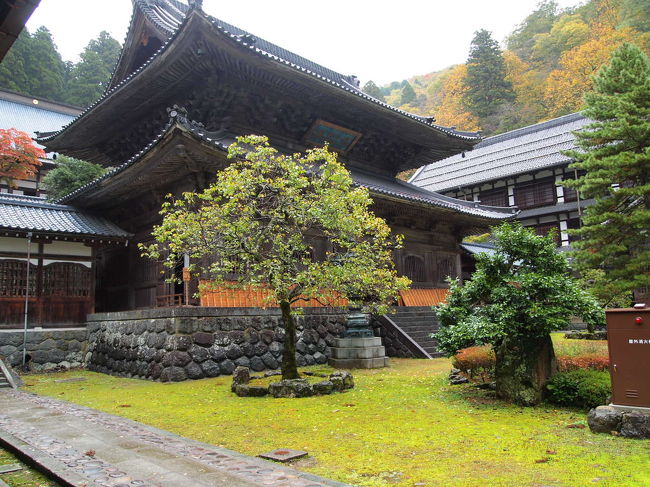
[85, 447]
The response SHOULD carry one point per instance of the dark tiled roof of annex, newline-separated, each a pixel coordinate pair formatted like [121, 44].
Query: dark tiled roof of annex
[519, 151]
[19, 214]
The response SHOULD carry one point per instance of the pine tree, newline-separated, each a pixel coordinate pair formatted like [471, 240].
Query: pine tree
[615, 156]
[408, 94]
[44, 67]
[89, 77]
[12, 69]
[487, 87]
[370, 88]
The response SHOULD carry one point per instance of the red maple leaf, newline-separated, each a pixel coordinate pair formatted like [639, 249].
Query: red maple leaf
[19, 157]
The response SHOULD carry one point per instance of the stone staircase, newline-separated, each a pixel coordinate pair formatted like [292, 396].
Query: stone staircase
[6, 382]
[418, 322]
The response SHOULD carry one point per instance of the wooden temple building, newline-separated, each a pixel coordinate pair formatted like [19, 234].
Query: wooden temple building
[187, 84]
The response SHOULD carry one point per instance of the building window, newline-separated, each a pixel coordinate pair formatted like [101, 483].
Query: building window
[414, 268]
[538, 193]
[497, 197]
[545, 228]
[573, 224]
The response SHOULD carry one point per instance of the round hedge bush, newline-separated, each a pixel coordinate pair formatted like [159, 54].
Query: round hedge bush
[580, 388]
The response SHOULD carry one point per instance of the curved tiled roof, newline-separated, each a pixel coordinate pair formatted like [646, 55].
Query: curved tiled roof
[519, 151]
[376, 184]
[19, 213]
[154, 8]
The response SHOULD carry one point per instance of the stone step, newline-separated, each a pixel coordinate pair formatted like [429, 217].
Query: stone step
[430, 316]
[357, 342]
[419, 334]
[418, 321]
[414, 328]
[354, 353]
[358, 363]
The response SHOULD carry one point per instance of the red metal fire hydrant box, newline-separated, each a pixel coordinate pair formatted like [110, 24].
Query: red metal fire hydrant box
[628, 336]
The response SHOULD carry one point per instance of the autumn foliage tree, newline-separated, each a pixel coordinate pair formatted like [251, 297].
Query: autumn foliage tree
[19, 157]
[259, 221]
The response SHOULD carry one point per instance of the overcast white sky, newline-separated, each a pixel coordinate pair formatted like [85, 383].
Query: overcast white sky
[373, 39]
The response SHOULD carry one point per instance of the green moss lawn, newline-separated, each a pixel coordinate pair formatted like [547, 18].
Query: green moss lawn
[26, 477]
[402, 426]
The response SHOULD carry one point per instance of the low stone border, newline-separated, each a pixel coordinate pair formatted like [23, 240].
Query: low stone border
[585, 335]
[612, 420]
[337, 381]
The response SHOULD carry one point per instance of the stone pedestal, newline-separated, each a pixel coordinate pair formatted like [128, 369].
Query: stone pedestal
[358, 353]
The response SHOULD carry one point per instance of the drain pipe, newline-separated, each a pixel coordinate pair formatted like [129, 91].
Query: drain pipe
[29, 251]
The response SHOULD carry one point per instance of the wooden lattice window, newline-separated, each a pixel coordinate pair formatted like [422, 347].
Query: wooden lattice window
[66, 279]
[13, 275]
[497, 197]
[538, 193]
[573, 224]
[446, 265]
[545, 228]
[414, 268]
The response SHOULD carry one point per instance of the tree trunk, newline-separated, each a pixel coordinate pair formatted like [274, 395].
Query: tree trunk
[523, 366]
[289, 367]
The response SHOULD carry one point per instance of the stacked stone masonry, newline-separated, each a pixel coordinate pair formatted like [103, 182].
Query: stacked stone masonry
[46, 349]
[175, 344]
[392, 340]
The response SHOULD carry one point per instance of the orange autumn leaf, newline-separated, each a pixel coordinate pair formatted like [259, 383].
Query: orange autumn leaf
[19, 157]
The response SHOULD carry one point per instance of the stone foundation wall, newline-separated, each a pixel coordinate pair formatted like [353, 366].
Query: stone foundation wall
[392, 340]
[46, 349]
[175, 344]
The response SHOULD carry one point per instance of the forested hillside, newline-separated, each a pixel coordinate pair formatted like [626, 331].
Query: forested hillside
[34, 67]
[543, 72]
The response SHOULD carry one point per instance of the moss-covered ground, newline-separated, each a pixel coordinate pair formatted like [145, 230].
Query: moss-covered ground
[26, 477]
[402, 426]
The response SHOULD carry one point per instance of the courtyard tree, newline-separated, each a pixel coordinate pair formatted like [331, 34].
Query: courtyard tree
[19, 157]
[259, 221]
[515, 299]
[615, 157]
[68, 175]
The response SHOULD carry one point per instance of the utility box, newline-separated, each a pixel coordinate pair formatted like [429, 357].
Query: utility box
[628, 336]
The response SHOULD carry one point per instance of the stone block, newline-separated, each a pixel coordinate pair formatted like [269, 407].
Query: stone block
[323, 387]
[227, 367]
[217, 353]
[194, 371]
[320, 358]
[187, 325]
[635, 424]
[243, 362]
[359, 363]
[291, 388]
[352, 353]
[257, 364]
[269, 361]
[210, 368]
[604, 419]
[199, 353]
[243, 390]
[204, 339]
[357, 342]
[233, 351]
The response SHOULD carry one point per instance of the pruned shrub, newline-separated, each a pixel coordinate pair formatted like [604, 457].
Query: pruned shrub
[579, 388]
[476, 362]
[591, 361]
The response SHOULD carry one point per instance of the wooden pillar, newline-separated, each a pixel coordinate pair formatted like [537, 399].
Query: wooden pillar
[39, 302]
[93, 277]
